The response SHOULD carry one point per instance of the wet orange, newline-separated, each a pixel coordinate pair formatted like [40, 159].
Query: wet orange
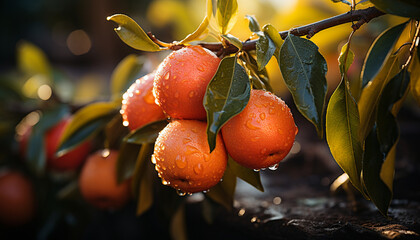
[183, 158]
[98, 181]
[181, 81]
[262, 134]
[138, 105]
[17, 198]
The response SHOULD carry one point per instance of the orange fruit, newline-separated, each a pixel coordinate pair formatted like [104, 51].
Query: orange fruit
[183, 159]
[138, 105]
[17, 199]
[262, 134]
[98, 181]
[181, 81]
[72, 159]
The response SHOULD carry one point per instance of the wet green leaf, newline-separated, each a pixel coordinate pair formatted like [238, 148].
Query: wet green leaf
[342, 133]
[226, 96]
[132, 34]
[32, 60]
[36, 144]
[124, 74]
[126, 162]
[246, 174]
[274, 35]
[254, 26]
[226, 15]
[115, 132]
[233, 40]
[387, 127]
[146, 134]
[373, 160]
[403, 8]
[265, 49]
[223, 193]
[85, 122]
[379, 52]
[369, 98]
[345, 59]
[303, 69]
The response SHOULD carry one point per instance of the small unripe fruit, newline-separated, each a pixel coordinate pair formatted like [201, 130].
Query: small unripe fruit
[262, 134]
[181, 81]
[138, 105]
[183, 159]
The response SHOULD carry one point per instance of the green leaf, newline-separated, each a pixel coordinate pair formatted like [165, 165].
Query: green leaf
[132, 34]
[246, 174]
[202, 29]
[345, 59]
[369, 98]
[387, 127]
[342, 1]
[265, 49]
[415, 77]
[379, 52]
[142, 182]
[226, 15]
[32, 60]
[124, 74]
[146, 134]
[373, 160]
[36, 144]
[85, 122]
[303, 69]
[226, 96]
[259, 79]
[403, 8]
[342, 133]
[254, 26]
[115, 132]
[126, 162]
[223, 193]
[233, 40]
[274, 35]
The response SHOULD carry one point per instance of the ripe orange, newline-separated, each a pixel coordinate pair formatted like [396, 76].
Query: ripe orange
[262, 134]
[69, 161]
[98, 181]
[183, 160]
[138, 105]
[17, 199]
[181, 81]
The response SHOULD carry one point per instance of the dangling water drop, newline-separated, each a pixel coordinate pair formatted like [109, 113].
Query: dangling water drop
[105, 153]
[153, 159]
[167, 75]
[274, 167]
[180, 192]
[164, 182]
[257, 170]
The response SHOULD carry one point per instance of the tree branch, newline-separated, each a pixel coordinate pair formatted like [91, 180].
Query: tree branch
[361, 16]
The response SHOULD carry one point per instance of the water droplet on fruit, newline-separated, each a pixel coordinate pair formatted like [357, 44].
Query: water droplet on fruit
[137, 92]
[206, 157]
[250, 125]
[200, 68]
[167, 75]
[198, 169]
[274, 167]
[125, 123]
[180, 161]
[186, 140]
[254, 139]
[191, 94]
[164, 182]
[180, 192]
[153, 159]
[271, 111]
[191, 150]
[262, 116]
[105, 153]
[206, 191]
[122, 111]
[257, 170]
[194, 130]
[149, 98]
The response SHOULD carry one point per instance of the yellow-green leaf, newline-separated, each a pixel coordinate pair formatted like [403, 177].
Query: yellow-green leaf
[132, 34]
[274, 35]
[32, 60]
[226, 15]
[233, 40]
[246, 174]
[345, 59]
[84, 117]
[124, 74]
[254, 26]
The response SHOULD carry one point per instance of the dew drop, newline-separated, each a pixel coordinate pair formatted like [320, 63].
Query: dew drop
[164, 182]
[125, 123]
[122, 111]
[105, 153]
[250, 125]
[191, 150]
[149, 98]
[153, 159]
[194, 130]
[180, 161]
[186, 140]
[262, 116]
[255, 139]
[198, 169]
[206, 191]
[191, 94]
[274, 167]
[137, 92]
[257, 170]
[180, 192]
[200, 68]
[167, 75]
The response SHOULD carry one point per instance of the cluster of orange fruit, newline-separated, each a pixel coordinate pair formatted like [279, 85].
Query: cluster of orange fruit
[257, 138]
